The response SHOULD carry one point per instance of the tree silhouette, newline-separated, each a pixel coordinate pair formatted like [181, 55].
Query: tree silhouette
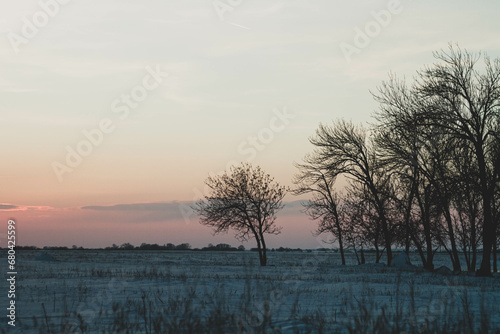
[317, 179]
[346, 149]
[441, 137]
[419, 155]
[466, 104]
[246, 200]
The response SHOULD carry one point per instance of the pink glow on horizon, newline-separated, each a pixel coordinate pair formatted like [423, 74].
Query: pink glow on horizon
[47, 226]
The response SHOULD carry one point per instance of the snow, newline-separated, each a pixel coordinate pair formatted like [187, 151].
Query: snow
[444, 270]
[96, 291]
[44, 257]
[402, 261]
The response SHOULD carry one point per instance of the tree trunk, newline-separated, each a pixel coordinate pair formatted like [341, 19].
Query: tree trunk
[495, 240]
[488, 225]
[428, 245]
[420, 251]
[473, 239]
[495, 255]
[385, 225]
[263, 258]
[341, 245]
[426, 223]
[451, 234]
[381, 253]
[377, 251]
[467, 259]
[387, 239]
[357, 256]
[407, 218]
[407, 229]
[261, 253]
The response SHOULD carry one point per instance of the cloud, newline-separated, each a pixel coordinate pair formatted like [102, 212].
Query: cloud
[151, 212]
[11, 207]
[166, 206]
[8, 207]
[135, 207]
[143, 212]
[293, 208]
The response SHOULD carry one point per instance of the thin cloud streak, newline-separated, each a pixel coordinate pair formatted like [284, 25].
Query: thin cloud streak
[167, 206]
[11, 207]
[134, 207]
[7, 207]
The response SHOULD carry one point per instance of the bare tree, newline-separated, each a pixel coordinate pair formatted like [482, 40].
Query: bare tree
[400, 153]
[314, 178]
[439, 162]
[466, 104]
[496, 193]
[467, 204]
[246, 200]
[419, 155]
[346, 149]
[364, 227]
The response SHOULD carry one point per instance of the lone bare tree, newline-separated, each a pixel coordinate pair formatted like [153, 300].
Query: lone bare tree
[245, 199]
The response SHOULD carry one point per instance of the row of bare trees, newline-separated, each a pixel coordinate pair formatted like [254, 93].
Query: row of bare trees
[425, 175]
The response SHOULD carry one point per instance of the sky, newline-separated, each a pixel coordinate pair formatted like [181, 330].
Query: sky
[115, 112]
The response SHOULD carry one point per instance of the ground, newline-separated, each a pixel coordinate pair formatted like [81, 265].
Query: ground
[84, 291]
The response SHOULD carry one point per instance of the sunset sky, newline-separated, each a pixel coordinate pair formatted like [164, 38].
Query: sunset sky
[155, 95]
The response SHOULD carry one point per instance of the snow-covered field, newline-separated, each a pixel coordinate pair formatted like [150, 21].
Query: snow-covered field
[228, 292]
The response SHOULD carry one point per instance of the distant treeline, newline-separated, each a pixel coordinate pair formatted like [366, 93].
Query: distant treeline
[172, 247]
[143, 246]
[187, 247]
